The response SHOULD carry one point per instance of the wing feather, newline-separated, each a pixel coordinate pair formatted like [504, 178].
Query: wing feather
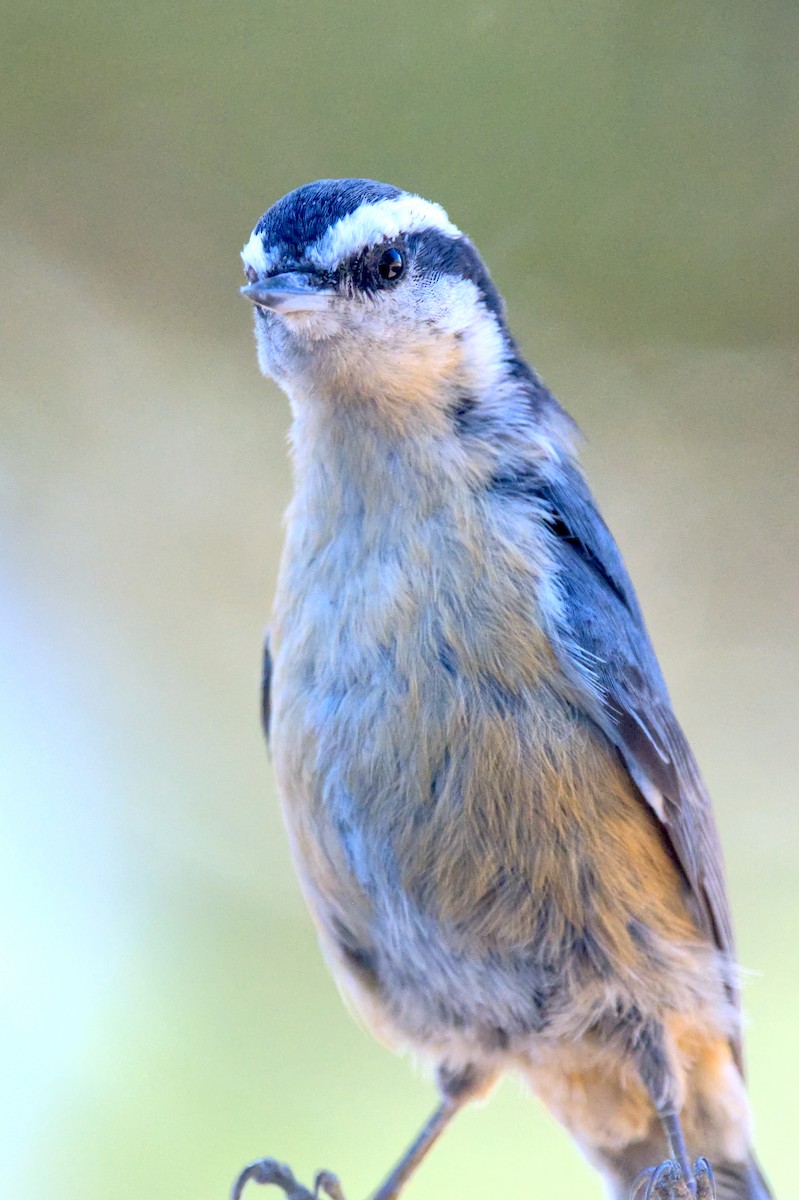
[606, 654]
[266, 689]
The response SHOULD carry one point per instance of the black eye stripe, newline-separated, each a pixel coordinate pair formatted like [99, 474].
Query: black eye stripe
[376, 268]
[430, 252]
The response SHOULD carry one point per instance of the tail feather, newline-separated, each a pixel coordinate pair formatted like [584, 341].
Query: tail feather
[741, 1181]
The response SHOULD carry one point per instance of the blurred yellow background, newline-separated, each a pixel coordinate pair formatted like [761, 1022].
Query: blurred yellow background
[629, 170]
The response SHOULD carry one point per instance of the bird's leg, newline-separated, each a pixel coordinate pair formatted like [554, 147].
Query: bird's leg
[670, 1120]
[456, 1090]
[267, 1170]
[673, 1179]
[419, 1147]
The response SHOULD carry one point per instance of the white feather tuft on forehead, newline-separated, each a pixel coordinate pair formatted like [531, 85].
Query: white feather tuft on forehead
[254, 255]
[372, 223]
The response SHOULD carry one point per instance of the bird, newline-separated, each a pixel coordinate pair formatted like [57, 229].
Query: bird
[498, 825]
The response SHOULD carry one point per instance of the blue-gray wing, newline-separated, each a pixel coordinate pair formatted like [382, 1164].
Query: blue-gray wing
[606, 656]
[266, 689]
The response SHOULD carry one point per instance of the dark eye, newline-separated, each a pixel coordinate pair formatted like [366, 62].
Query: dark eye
[251, 273]
[391, 264]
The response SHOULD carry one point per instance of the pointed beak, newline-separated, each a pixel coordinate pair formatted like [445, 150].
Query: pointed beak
[292, 292]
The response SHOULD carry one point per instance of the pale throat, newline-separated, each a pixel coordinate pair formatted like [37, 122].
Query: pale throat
[377, 437]
[350, 462]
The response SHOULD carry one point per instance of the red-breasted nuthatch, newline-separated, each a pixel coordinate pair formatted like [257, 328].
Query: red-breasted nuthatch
[500, 829]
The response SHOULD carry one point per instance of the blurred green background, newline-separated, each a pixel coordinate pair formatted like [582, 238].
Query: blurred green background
[629, 170]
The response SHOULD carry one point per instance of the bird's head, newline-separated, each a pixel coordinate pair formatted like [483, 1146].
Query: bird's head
[364, 291]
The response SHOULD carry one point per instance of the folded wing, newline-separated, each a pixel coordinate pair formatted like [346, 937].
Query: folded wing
[608, 660]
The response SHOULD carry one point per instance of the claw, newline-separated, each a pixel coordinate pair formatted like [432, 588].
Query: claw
[664, 1182]
[328, 1183]
[705, 1182]
[269, 1170]
[636, 1191]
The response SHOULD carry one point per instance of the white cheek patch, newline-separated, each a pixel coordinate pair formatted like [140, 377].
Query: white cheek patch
[371, 223]
[456, 307]
[448, 301]
[484, 350]
[253, 255]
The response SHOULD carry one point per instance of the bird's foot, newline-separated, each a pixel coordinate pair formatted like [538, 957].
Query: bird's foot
[269, 1170]
[328, 1183]
[668, 1182]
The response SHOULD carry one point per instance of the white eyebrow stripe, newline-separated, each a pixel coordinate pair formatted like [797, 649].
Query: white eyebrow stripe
[253, 255]
[371, 223]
